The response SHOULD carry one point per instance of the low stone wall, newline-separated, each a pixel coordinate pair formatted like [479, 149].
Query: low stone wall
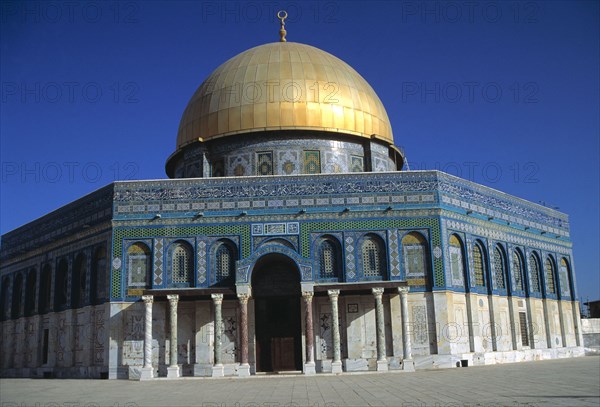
[590, 329]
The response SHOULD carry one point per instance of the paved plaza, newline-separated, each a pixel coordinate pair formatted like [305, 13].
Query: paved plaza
[564, 382]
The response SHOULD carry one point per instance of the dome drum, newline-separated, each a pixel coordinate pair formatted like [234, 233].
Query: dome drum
[284, 153]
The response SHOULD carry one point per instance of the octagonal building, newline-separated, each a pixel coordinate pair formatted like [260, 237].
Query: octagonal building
[287, 238]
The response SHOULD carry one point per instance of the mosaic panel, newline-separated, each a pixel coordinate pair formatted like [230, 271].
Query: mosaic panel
[264, 163]
[239, 165]
[288, 162]
[158, 262]
[350, 262]
[394, 258]
[357, 164]
[312, 162]
[201, 262]
[335, 162]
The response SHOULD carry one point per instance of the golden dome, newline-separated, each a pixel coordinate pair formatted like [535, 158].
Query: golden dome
[283, 86]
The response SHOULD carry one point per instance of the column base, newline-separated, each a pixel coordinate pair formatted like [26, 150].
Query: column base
[408, 365]
[218, 371]
[243, 370]
[382, 366]
[336, 367]
[309, 368]
[146, 373]
[173, 372]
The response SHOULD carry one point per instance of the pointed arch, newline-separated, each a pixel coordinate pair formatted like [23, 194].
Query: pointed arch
[550, 273]
[518, 266]
[61, 282]
[98, 275]
[499, 267]
[329, 252]
[373, 262]
[30, 292]
[225, 254]
[17, 296]
[44, 299]
[4, 300]
[457, 260]
[534, 273]
[479, 264]
[79, 281]
[181, 264]
[565, 278]
[415, 254]
[139, 265]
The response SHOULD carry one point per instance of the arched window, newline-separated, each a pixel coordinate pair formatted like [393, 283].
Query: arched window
[139, 265]
[17, 296]
[550, 271]
[479, 265]
[517, 269]
[456, 261]
[4, 304]
[534, 272]
[225, 264]
[499, 267]
[45, 289]
[30, 292]
[61, 284]
[414, 253]
[373, 257]
[79, 281]
[329, 259]
[182, 264]
[97, 275]
[565, 271]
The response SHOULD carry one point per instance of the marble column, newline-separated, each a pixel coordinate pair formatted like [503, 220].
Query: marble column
[147, 371]
[407, 360]
[336, 364]
[244, 368]
[218, 369]
[173, 369]
[382, 364]
[309, 365]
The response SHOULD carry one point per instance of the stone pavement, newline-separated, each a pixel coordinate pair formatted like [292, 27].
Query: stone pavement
[564, 382]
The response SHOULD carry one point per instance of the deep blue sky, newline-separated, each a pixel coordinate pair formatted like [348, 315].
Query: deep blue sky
[502, 93]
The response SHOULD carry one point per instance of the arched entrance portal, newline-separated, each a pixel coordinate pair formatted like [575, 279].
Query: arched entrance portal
[276, 292]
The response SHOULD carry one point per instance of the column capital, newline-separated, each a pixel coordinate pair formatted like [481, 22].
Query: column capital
[307, 295]
[173, 298]
[217, 298]
[403, 290]
[243, 297]
[377, 291]
[148, 299]
[333, 294]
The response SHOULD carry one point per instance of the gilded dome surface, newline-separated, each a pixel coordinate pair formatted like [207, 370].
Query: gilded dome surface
[283, 86]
